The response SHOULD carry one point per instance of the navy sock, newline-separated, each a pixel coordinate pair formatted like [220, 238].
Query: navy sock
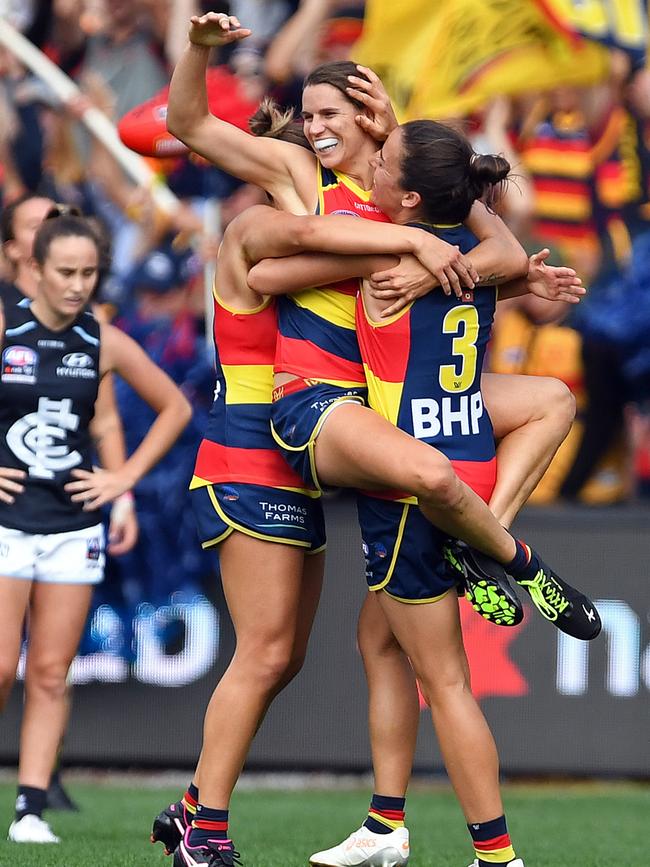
[492, 840]
[30, 800]
[208, 824]
[525, 564]
[386, 814]
[193, 791]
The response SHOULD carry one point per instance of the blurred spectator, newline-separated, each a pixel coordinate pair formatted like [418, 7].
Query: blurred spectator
[167, 555]
[319, 31]
[127, 52]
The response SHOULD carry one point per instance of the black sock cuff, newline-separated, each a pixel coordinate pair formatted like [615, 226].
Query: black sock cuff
[487, 830]
[30, 800]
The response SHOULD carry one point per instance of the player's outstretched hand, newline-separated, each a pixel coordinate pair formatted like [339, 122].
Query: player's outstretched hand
[372, 94]
[98, 487]
[10, 480]
[552, 282]
[216, 28]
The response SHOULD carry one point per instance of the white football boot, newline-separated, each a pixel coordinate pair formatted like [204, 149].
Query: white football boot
[31, 829]
[364, 848]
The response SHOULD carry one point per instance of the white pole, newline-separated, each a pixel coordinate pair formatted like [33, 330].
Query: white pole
[95, 120]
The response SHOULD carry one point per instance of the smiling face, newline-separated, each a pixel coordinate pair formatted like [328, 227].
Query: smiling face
[331, 129]
[67, 278]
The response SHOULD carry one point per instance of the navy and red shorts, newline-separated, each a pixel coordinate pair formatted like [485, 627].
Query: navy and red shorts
[270, 514]
[403, 550]
[299, 411]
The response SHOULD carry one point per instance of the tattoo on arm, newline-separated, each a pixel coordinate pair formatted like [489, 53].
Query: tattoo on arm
[491, 278]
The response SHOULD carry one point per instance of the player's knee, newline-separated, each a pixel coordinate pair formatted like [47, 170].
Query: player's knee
[270, 665]
[439, 484]
[46, 680]
[443, 686]
[559, 403]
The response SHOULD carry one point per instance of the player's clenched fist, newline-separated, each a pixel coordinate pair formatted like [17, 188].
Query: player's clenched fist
[216, 28]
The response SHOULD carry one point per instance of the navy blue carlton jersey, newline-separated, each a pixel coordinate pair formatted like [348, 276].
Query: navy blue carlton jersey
[423, 365]
[48, 388]
[10, 295]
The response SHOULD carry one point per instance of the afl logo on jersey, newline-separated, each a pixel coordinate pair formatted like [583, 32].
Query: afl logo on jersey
[344, 213]
[77, 364]
[19, 364]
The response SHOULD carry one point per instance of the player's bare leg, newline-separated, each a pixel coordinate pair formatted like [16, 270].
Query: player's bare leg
[14, 600]
[272, 609]
[272, 591]
[61, 610]
[393, 701]
[358, 448]
[430, 635]
[531, 416]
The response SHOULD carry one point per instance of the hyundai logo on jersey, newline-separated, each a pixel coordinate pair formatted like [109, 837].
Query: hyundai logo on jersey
[77, 359]
[79, 365]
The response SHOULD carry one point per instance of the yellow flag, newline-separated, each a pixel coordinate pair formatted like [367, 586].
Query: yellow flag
[450, 57]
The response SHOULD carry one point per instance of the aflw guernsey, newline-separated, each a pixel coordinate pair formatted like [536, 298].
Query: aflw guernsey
[317, 337]
[48, 389]
[10, 295]
[423, 365]
[238, 446]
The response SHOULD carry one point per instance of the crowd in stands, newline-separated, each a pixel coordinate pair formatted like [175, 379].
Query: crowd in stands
[581, 162]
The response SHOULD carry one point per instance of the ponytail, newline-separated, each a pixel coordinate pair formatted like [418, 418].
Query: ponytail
[271, 121]
[439, 163]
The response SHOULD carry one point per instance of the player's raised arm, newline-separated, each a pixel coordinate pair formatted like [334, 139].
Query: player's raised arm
[266, 162]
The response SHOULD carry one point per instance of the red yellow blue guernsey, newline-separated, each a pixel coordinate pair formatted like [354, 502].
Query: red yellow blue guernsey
[238, 446]
[317, 337]
[423, 368]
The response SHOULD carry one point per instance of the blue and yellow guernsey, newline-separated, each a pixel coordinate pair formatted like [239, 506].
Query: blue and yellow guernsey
[238, 446]
[317, 338]
[423, 369]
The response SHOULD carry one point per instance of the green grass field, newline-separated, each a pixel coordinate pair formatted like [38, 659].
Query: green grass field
[555, 825]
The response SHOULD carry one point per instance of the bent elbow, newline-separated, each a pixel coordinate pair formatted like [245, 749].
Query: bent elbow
[184, 411]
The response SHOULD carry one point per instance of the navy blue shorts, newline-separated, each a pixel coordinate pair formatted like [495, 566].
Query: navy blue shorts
[403, 551]
[297, 416]
[271, 514]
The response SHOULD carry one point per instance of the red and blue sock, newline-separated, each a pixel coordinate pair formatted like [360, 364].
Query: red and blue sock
[190, 799]
[385, 814]
[492, 842]
[208, 824]
[525, 564]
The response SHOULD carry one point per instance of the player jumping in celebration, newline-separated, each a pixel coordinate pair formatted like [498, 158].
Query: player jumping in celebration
[234, 507]
[425, 174]
[54, 356]
[298, 181]
[319, 327]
